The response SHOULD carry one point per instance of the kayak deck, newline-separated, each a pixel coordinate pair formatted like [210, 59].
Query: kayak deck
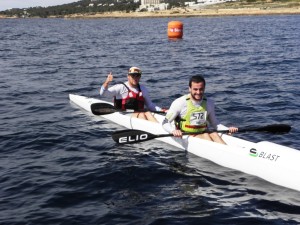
[272, 162]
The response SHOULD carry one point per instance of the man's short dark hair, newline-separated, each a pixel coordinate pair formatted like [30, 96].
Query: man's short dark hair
[196, 79]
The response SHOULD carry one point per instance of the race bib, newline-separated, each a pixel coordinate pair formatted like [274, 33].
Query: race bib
[198, 118]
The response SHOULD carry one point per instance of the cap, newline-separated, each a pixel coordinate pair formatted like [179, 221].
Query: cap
[134, 71]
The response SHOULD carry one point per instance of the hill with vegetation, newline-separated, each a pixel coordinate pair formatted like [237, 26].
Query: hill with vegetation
[82, 7]
[89, 8]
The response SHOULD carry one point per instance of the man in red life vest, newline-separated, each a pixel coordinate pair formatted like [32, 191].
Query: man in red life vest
[131, 95]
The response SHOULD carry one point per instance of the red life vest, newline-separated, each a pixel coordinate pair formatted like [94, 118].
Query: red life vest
[133, 100]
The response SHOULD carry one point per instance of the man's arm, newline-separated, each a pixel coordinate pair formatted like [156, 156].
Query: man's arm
[213, 121]
[175, 110]
[150, 105]
[104, 86]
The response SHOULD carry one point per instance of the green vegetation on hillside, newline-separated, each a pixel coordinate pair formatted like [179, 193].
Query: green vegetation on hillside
[81, 7]
[91, 7]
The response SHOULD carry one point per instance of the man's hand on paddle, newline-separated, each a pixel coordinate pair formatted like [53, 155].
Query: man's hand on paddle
[177, 133]
[232, 130]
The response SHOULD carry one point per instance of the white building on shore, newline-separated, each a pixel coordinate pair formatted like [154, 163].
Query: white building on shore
[201, 3]
[150, 2]
[155, 5]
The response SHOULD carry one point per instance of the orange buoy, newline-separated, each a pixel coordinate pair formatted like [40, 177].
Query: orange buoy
[175, 29]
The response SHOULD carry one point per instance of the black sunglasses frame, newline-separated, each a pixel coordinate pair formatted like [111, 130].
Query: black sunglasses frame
[135, 75]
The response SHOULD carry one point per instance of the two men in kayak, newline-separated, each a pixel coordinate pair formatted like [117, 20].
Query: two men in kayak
[131, 95]
[193, 113]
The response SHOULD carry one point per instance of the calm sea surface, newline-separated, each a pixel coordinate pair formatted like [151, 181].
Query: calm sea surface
[59, 165]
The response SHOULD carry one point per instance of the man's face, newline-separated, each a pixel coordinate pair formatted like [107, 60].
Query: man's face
[197, 91]
[134, 80]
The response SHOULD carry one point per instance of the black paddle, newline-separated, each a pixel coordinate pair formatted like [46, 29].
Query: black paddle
[105, 108]
[134, 136]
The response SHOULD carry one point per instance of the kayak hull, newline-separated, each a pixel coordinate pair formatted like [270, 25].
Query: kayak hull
[272, 162]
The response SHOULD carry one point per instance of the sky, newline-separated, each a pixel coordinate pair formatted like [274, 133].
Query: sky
[8, 4]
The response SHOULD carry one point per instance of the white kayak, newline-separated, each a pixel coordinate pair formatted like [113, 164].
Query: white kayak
[272, 162]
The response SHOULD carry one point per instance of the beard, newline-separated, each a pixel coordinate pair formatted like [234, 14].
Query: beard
[196, 97]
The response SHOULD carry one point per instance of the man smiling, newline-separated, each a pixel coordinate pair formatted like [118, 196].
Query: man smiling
[193, 113]
[131, 95]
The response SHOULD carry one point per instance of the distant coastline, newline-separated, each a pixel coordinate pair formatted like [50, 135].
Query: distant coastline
[233, 9]
[206, 12]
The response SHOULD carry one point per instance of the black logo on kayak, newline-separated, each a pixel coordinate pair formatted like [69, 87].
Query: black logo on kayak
[133, 138]
[253, 152]
[269, 156]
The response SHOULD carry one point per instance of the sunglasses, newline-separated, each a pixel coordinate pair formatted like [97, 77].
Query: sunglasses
[135, 75]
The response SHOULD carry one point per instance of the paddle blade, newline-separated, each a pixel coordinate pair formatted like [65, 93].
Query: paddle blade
[132, 136]
[275, 128]
[102, 109]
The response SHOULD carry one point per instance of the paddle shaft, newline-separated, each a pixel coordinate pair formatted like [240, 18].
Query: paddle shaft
[134, 136]
[106, 108]
[131, 136]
